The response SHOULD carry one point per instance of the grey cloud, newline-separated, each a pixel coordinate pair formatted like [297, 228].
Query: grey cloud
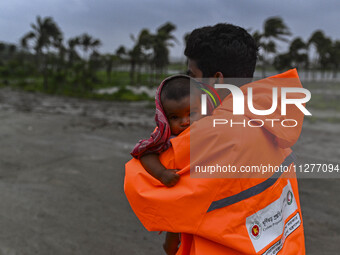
[114, 21]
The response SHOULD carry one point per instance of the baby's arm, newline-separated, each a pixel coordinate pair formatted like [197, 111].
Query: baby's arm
[154, 167]
[172, 241]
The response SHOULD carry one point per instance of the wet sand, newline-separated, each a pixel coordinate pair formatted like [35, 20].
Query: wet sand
[62, 169]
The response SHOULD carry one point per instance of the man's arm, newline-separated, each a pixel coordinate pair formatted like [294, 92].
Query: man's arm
[179, 209]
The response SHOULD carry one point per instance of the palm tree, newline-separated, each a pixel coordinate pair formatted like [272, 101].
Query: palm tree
[151, 50]
[121, 51]
[298, 53]
[74, 63]
[2, 50]
[12, 50]
[121, 54]
[72, 53]
[110, 60]
[140, 53]
[45, 33]
[322, 46]
[273, 29]
[282, 62]
[57, 62]
[325, 56]
[2, 46]
[163, 39]
[335, 58]
[95, 64]
[87, 43]
[134, 58]
[144, 42]
[84, 68]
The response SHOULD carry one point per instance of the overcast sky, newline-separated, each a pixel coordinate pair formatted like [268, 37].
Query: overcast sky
[112, 21]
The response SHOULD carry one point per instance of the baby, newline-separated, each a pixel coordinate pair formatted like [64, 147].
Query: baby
[178, 105]
[182, 106]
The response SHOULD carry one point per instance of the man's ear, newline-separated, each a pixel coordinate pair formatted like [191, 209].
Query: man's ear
[219, 77]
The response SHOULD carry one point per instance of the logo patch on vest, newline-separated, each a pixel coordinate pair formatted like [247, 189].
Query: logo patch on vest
[269, 223]
[255, 230]
[289, 197]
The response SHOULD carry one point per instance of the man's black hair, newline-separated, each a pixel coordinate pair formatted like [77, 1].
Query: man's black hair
[176, 88]
[223, 48]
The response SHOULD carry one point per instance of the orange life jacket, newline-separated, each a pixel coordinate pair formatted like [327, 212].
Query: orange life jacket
[227, 215]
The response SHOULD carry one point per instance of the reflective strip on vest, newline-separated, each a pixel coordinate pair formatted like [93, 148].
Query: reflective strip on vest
[253, 191]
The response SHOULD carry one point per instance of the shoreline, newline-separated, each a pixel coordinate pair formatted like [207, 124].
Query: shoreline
[62, 171]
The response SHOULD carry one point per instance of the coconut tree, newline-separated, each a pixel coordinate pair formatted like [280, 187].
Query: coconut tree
[140, 53]
[145, 42]
[298, 53]
[121, 51]
[72, 53]
[282, 62]
[162, 41]
[151, 50]
[335, 58]
[43, 36]
[134, 58]
[87, 42]
[121, 54]
[2, 47]
[2, 51]
[95, 64]
[274, 29]
[322, 48]
[88, 45]
[109, 61]
[74, 63]
[326, 56]
[60, 57]
[12, 50]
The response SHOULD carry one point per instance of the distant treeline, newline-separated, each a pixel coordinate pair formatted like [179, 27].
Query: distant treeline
[44, 57]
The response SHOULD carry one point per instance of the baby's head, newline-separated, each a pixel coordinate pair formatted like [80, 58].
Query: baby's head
[177, 96]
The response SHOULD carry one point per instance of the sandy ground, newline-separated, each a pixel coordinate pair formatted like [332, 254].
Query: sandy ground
[62, 169]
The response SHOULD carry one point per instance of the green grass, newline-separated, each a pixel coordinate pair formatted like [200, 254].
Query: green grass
[324, 102]
[319, 101]
[179, 67]
[313, 120]
[122, 78]
[329, 85]
[71, 89]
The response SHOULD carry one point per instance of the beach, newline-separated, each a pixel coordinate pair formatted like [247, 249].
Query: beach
[62, 175]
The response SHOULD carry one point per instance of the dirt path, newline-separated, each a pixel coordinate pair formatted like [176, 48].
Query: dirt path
[61, 178]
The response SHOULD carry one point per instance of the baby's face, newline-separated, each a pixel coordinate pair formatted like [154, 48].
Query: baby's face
[179, 113]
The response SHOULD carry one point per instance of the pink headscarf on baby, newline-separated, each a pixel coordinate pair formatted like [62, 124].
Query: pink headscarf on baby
[159, 140]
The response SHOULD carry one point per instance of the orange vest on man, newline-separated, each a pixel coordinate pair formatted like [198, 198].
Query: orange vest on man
[228, 215]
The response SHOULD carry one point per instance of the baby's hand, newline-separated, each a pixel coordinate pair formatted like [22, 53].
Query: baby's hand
[170, 177]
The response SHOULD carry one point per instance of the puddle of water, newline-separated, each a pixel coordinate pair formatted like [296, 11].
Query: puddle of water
[136, 90]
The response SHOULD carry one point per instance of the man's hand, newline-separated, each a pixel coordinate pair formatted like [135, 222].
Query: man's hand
[169, 177]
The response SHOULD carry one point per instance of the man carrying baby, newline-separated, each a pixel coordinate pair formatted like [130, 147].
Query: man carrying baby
[223, 216]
